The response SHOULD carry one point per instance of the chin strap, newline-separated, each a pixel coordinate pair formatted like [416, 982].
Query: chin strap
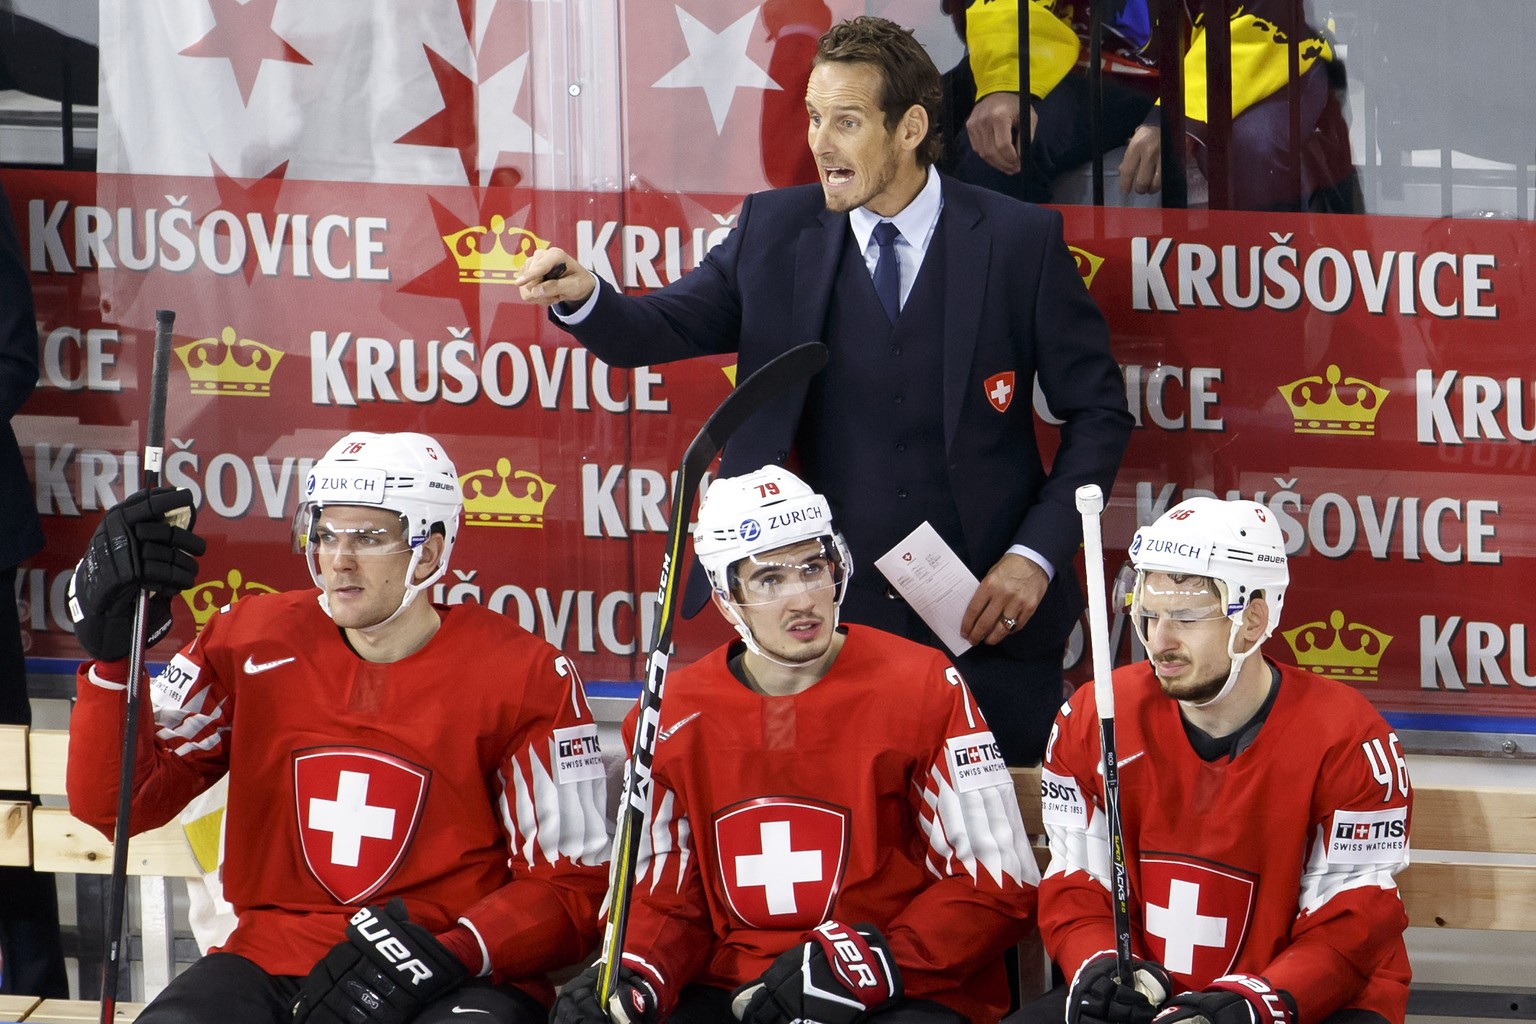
[1237, 662]
[733, 615]
[411, 591]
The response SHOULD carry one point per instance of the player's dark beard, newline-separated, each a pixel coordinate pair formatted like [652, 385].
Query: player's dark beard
[1202, 691]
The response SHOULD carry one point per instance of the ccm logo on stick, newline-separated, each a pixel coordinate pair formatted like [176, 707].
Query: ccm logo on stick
[392, 949]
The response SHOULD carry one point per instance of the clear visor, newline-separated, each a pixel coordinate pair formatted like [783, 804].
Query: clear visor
[774, 576]
[1182, 607]
[350, 531]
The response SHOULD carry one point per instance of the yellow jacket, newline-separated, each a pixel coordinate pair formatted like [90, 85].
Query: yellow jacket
[1260, 63]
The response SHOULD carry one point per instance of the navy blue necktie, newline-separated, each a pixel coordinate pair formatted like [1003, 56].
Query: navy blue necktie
[888, 269]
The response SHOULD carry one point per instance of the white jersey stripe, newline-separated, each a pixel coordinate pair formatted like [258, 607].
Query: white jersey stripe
[1323, 880]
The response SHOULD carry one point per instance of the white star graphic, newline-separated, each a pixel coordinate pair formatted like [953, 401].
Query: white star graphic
[502, 131]
[717, 63]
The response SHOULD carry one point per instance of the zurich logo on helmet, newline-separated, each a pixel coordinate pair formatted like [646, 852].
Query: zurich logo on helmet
[1136, 543]
[309, 486]
[749, 530]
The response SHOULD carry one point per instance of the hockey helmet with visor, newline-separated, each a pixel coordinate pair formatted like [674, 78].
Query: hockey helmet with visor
[1237, 545]
[405, 474]
[748, 524]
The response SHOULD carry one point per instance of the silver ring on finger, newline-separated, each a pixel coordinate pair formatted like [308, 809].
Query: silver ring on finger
[1011, 624]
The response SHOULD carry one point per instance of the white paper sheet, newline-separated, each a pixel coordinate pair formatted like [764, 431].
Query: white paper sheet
[930, 576]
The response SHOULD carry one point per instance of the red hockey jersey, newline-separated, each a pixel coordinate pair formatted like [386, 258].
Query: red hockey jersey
[465, 778]
[875, 796]
[1279, 862]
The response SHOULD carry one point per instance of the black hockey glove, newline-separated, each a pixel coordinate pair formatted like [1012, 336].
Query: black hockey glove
[1097, 997]
[135, 546]
[1233, 999]
[633, 1001]
[841, 975]
[384, 973]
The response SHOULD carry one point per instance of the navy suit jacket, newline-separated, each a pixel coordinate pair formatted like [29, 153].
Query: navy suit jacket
[1014, 301]
[21, 532]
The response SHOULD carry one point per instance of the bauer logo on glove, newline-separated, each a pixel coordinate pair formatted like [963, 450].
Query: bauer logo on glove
[854, 962]
[389, 947]
[840, 976]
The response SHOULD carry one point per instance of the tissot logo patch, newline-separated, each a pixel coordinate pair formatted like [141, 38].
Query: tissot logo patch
[1196, 915]
[781, 860]
[358, 811]
[171, 686]
[975, 762]
[578, 755]
[1061, 802]
[1368, 837]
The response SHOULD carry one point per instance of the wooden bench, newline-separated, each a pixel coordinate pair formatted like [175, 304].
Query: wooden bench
[67, 1011]
[1472, 868]
[51, 839]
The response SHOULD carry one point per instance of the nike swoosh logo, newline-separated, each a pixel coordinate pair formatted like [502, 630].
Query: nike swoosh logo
[1122, 762]
[666, 733]
[467, 1009]
[256, 668]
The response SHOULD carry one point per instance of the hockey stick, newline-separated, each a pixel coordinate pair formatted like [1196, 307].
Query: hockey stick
[750, 395]
[1090, 503]
[149, 476]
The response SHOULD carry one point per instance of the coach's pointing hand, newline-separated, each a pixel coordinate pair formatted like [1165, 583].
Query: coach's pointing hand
[553, 275]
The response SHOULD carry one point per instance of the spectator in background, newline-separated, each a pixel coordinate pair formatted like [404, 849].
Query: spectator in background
[1259, 146]
[31, 958]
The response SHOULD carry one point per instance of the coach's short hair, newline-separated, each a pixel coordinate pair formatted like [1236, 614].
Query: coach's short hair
[908, 76]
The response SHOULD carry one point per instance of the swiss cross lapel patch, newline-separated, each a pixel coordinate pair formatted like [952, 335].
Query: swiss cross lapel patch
[358, 810]
[1196, 915]
[781, 860]
[999, 388]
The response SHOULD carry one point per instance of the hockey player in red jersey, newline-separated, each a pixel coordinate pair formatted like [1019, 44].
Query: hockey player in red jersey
[416, 824]
[832, 834]
[1264, 809]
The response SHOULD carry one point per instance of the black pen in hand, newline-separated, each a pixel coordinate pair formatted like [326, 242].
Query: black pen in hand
[556, 272]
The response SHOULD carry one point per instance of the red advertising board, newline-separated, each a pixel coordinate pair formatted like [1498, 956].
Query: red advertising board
[1366, 378]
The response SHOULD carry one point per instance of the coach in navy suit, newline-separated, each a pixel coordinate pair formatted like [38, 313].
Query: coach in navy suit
[941, 304]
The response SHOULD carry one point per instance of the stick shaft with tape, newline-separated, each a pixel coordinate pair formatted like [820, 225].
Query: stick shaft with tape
[1090, 505]
[154, 452]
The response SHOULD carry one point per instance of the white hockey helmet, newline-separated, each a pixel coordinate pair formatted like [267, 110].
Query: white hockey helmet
[406, 473]
[1237, 545]
[742, 517]
[764, 510]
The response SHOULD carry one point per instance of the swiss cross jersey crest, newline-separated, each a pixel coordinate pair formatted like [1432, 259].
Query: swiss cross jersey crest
[781, 860]
[357, 810]
[1000, 389]
[1195, 915]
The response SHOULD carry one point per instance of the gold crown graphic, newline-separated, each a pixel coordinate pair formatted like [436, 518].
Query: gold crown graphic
[206, 599]
[1087, 264]
[492, 255]
[228, 365]
[1352, 412]
[484, 506]
[1353, 652]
